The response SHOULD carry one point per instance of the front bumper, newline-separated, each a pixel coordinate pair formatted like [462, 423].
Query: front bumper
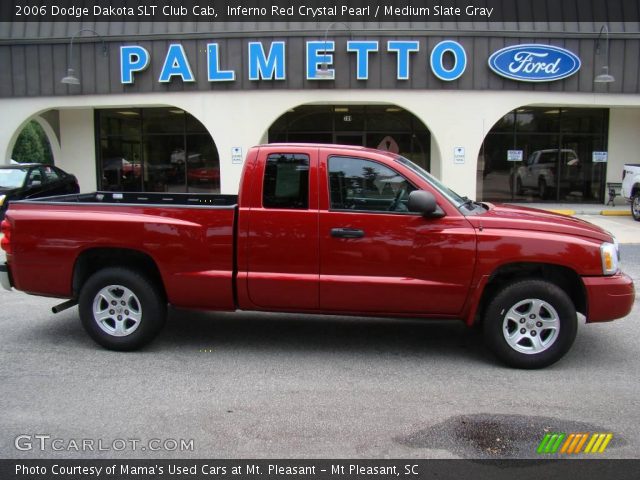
[609, 298]
[5, 276]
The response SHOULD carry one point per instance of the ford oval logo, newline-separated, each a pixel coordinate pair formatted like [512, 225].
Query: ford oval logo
[534, 63]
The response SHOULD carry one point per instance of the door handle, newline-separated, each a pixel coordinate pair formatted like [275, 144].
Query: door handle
[347, 233]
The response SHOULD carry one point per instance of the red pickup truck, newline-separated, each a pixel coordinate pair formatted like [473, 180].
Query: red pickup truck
[319, 229]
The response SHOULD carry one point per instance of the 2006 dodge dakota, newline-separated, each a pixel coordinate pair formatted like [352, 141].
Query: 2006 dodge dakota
[319, 229]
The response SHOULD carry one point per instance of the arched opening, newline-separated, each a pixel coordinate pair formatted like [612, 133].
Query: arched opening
[32, 145]
[162, 149]
[535, 154]
[385, 127]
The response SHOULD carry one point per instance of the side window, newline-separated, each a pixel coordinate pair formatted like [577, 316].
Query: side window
[286, 181]
[548, 157]
[50, 175]
[357, 184]
[35, 177]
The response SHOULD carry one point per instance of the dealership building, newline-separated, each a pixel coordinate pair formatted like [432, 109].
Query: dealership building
[519, 111]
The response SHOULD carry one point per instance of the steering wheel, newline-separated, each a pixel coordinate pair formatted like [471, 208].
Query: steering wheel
[396, 200]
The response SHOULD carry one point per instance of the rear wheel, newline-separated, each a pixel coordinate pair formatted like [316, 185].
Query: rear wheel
[635, 206]
[530, 324]
[121, 309]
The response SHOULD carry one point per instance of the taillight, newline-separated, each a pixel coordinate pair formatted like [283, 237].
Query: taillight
[5, 227]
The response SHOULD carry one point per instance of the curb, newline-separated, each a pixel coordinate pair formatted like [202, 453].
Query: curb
[616, 213]
[605, 213]
[564, 212]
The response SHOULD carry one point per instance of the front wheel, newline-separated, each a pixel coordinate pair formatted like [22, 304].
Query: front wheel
[543, 190]
[530, 324]
[519, 187]
[635, 206]
[121, 309]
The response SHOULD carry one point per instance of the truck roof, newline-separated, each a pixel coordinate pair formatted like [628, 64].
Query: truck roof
[357, 148]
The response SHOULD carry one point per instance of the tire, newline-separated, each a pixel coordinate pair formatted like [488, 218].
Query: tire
[543, 190]
[142, 307]
[519, 187]
[635, 206]
[543, 311]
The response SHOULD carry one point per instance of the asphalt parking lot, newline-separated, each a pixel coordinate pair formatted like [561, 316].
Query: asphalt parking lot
[281, 386]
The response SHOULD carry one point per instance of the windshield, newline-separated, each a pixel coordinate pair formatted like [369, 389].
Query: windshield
[452, 196]
[12, 177]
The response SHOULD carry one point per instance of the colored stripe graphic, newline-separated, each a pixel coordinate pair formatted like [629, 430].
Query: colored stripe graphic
[598, 442]
[574, 442]
[551, 442]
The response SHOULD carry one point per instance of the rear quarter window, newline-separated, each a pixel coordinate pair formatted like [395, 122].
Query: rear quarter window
[286, 181]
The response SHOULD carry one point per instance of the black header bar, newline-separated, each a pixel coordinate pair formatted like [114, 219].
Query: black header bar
[601, 11]
[407, 469]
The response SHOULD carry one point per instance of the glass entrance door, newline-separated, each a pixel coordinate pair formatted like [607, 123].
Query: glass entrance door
[584, 179]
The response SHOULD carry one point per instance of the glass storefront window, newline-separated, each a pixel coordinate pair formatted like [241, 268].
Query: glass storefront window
[556, 145]
[505, 124]
[120, 158]
[120, 122]
[203, 164]
[157, 150]
[163, 120]
[539, 120]
[385, 127]
[164, 159]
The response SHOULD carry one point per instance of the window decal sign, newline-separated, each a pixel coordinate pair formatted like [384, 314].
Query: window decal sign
[534, 63]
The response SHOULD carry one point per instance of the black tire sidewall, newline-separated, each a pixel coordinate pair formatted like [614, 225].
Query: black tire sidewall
[511, 295]
[152, 304]
[519, 187]
[542, 189]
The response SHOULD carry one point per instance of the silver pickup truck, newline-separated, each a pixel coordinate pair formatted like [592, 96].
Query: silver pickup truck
[631, 188]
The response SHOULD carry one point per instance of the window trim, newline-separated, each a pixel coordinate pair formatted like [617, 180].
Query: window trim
[376, 212]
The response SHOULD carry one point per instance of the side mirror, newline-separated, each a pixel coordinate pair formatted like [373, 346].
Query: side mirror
[35, 183]
[425, 203]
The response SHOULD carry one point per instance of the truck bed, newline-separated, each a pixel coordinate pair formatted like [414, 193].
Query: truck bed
[189, 238]
[144, 198]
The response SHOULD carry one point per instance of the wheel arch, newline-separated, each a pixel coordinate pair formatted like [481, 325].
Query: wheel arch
[92, 260]
[563, 277]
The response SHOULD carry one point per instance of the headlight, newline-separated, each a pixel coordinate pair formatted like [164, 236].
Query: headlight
[610, 258]
[2, 197]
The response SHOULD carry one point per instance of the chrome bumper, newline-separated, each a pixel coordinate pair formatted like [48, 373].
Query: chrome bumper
[5, 276]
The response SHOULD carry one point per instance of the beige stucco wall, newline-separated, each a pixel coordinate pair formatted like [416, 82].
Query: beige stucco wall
[624, 140]
[77, 146]
[241, 119]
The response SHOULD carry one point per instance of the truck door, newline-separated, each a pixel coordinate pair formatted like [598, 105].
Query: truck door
[282, 231]
[376, 256]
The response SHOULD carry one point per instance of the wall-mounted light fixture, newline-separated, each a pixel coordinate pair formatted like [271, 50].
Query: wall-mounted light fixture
[71, 78]
[604, 76]
[323, 70]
